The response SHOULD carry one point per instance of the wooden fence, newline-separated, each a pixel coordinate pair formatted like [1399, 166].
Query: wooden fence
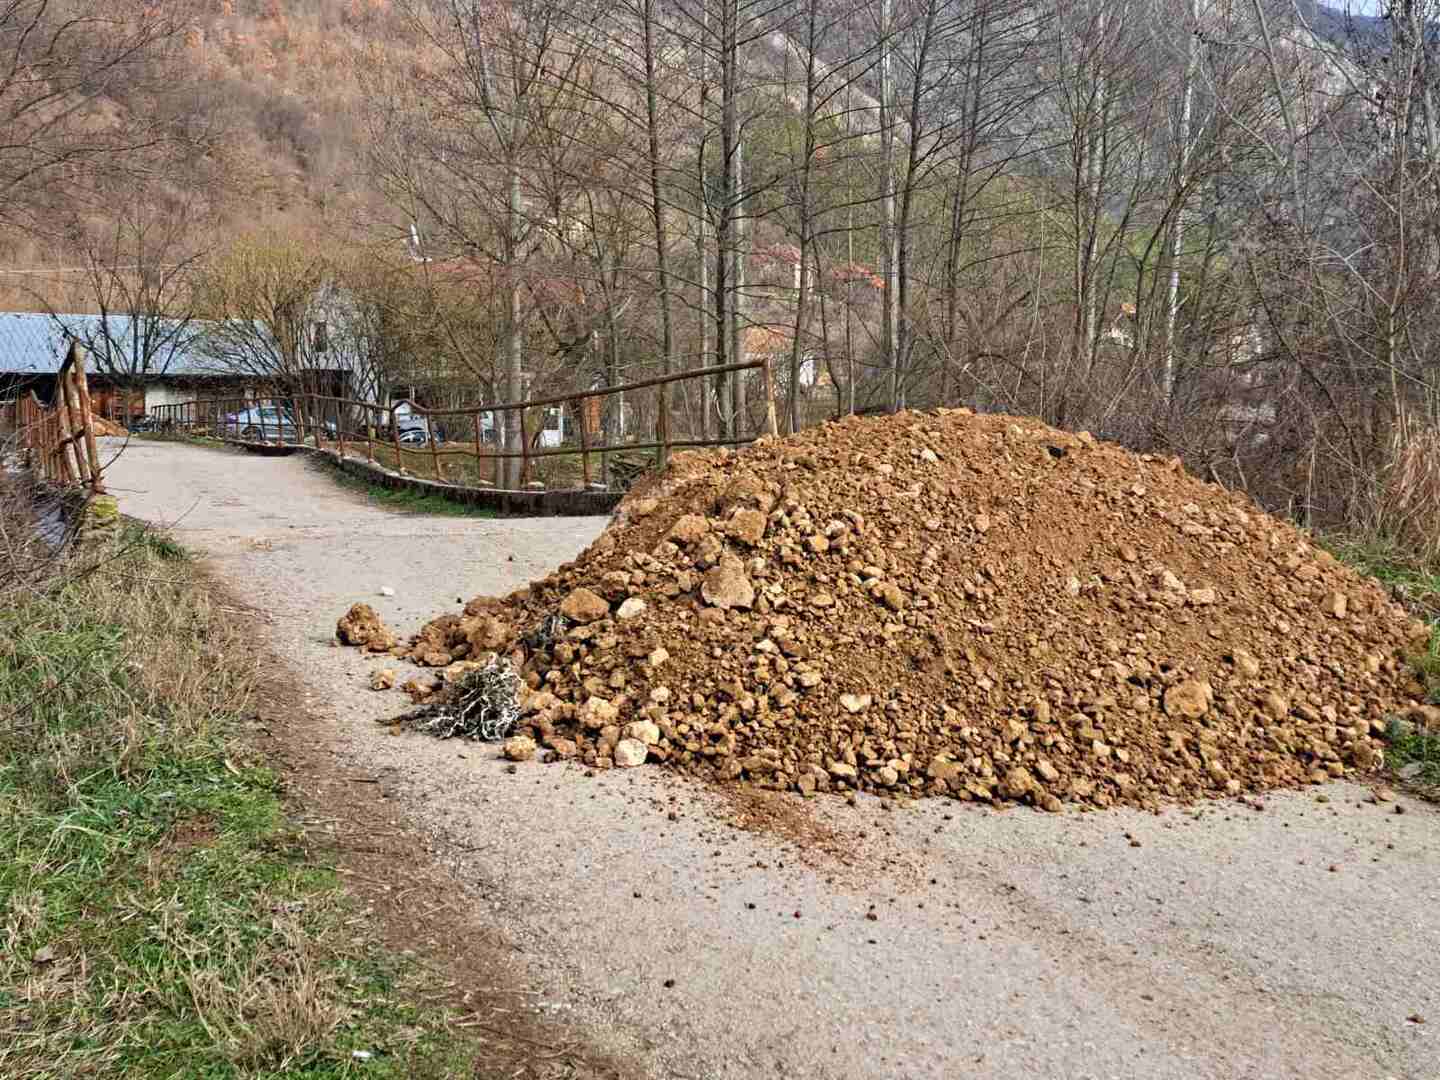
[58, 440]
[457, 445]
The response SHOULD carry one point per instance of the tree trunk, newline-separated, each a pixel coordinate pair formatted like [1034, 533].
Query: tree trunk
[737, 301]
[657, 206]
[889, 315]
[728, 258]
[705, 302]
[1177, 232]
[703, 307]
[514, 345]
[802, 297]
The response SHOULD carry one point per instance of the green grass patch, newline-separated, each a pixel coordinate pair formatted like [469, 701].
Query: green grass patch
[1409, 579]
[159, 915]
[403, 500]
[1411, 582]
[137, 534]
[206, 442]
[1411, 755]
[1414, 754]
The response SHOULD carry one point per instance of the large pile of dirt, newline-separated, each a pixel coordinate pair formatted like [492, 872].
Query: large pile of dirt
[946, 603]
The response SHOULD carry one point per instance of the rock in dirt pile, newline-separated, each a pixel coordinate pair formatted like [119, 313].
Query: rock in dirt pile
[945, 603]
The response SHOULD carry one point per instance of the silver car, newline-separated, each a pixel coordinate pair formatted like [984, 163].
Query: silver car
[264, 423]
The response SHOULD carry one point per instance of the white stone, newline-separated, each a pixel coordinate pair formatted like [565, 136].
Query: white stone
[596, 713]
[642, 731]
[630, 608]
[629, 752]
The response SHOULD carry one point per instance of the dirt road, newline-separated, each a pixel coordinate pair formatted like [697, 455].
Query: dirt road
[701, 936]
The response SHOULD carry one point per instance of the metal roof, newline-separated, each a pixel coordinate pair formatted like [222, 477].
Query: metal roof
[35, 343]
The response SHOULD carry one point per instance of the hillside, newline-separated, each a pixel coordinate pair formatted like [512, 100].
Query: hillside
[267, 93]
[263, 95]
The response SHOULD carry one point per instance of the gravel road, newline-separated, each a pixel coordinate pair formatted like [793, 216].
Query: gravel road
[1219, 941]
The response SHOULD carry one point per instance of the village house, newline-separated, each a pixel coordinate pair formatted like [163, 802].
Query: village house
[33, 347]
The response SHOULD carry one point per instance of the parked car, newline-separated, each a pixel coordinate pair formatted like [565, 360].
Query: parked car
[138, 424]
[413, 431]
[261, 422]
[413, 428]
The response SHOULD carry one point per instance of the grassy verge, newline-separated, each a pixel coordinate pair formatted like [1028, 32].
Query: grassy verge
[1411, 583]
[159, 917]
[402, 500]
[559, 472]
[1412, 755]
[188, 438]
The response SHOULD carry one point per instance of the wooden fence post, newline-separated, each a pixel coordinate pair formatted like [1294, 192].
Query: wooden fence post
[395, 439]
[475, 416]
[82, 380]
[91, 448]
[78, 422]
[772, 424]
[63, 443]
[434, 453]
[585, 442]
[524, 451]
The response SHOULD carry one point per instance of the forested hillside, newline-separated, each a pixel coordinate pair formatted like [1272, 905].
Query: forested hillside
[234, 114]
[1201, 227]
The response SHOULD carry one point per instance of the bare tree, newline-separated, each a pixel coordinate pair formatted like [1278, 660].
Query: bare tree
[1349, 277]
[138, 277]
[460, 144]
[77, 79]
[1102, 110]
[265, 303]
[994, 92]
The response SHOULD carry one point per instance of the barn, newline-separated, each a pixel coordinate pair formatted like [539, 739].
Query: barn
[33, 346]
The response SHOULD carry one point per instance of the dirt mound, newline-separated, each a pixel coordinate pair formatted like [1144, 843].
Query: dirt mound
[946, 603]
[362, 626]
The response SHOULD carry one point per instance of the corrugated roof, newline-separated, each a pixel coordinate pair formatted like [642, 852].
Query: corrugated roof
[35, 343]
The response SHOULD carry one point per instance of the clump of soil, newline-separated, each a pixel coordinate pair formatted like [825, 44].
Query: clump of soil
[944, 603]
[362, 626]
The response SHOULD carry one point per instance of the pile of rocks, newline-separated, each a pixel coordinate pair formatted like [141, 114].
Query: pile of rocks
[945, 603]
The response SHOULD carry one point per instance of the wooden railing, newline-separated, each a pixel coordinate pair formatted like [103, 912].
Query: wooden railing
[57, 440]
[407, 435]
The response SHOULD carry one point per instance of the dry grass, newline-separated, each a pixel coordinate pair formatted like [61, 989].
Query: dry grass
[28, 558]
[557, 472]
[1405, 507]
[159, 917]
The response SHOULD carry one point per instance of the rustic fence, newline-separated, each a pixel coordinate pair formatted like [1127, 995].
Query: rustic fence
[464, 446]
[57, 441]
